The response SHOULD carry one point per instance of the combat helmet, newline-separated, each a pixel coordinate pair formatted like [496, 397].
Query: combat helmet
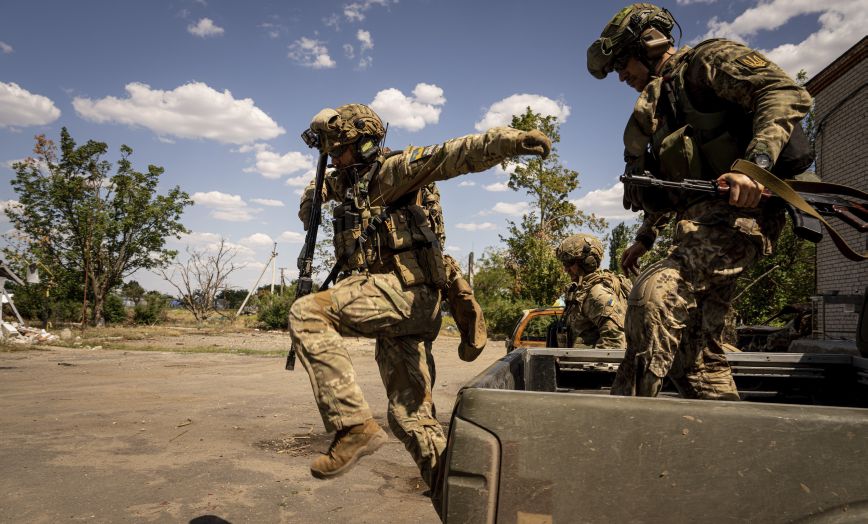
[640, 30]
[583, 248]
[345, 125]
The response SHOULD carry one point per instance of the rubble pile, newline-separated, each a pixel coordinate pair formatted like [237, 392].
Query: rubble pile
[16, 333]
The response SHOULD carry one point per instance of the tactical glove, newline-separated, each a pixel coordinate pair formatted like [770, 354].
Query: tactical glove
[535, 143]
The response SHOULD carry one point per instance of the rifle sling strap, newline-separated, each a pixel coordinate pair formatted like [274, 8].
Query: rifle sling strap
[787, 192]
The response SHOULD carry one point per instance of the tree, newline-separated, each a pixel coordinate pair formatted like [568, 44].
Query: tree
[133, 291]
[201, 278]
[537, 275]
[619, 239]
[81, 221]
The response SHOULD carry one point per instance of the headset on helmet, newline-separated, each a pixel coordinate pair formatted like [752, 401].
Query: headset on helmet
[640, 30]
[350, 124]
[583, 248]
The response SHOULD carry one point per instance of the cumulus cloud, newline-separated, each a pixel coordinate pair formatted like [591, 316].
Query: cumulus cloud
[349, 51]
[192, 110]
[205, 28]
[257, 239]
[366, 43]
[466, 183]
[605, 203]
[274, 165]
[412, 113]
[210, 242]
[273, 29]
[291, 237]
[310, 52]
[301, 181]
[511, 208]
[355, 11]
[497, 187]
[268, 202]
[500, 113]
[6, 48]
[842, 24]
[689, 2]
[20, 107]
[224, 206]
[473, 226]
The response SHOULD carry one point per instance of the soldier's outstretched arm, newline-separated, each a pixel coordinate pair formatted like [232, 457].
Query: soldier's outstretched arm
[419, 166]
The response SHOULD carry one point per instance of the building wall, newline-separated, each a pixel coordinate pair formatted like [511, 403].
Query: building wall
[842, 158]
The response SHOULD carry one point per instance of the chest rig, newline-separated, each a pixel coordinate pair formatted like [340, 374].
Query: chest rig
[381, 239]
[690, 143]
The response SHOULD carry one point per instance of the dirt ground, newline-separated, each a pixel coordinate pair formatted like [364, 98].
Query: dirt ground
[121, 435]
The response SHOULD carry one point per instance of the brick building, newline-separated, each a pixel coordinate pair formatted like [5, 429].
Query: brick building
[840, 116]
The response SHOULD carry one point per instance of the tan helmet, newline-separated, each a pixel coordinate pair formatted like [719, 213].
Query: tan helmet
[345, 125]
[641, 30]
[583, 248]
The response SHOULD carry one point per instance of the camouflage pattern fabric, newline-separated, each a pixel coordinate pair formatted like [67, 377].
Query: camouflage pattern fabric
[595, 309]
[676, 312]
[401, 318]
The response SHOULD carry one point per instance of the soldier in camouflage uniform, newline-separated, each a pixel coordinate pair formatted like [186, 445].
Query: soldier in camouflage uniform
[390, 286]
[698, 111]
[595, 300]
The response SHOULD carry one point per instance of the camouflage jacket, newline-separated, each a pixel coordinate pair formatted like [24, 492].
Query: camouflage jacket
[595, 309]
[729, 94]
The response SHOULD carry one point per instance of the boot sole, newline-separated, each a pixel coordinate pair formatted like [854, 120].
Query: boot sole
[373, 445]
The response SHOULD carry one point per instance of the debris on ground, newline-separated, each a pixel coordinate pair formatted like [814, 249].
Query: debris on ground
[16, 333]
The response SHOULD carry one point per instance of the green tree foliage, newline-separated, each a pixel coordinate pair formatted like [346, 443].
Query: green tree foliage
[132, 291]
[619, 239]
[232, 298]
[273, 312]
[114, 311]
[785, 277]
[87, 224]
[493, 286]
[537, 275]
[151, 309]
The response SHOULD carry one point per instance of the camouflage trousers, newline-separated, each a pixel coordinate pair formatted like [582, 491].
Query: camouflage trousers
[401, 320]
[677, 308]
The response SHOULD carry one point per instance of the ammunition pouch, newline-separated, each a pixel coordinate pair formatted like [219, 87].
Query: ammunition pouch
[412, 248]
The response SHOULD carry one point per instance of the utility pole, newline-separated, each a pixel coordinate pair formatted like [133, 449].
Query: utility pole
[282, 281]
[270, 260]
[273, 266]
[470, 269]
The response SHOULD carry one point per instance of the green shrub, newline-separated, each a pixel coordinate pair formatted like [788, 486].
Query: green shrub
[501, 316]
[274, 311]
[113, 309]
[151, 309]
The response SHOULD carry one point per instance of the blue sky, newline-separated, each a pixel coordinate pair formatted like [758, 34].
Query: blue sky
[217, 93]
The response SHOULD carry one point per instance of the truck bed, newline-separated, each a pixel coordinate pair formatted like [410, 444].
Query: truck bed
[536, 438]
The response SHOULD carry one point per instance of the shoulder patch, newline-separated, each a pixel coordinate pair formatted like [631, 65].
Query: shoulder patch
[419, 153]
[752, 60]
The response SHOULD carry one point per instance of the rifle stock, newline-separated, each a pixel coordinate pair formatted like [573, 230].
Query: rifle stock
[304, 285]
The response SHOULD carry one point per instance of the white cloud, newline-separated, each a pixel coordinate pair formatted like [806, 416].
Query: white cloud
[366, 43]
[303, 180]
[192, 110]
[272, 29]
[410, 113]
[497, 187]
[274, 165]
[466, 183]
[605, 203]
[268, 202]
[224, 206]
[6, 48]
[205, 28]
[257, 239]
[473, 226]
[500, 113]
[349, 51]
[510, 169]
[689, 2]
[355, 11]
[511, 208]
[454, 249]
[842, 24]
[365, 40]
[310, 52]
[20, 107]
[291, 237]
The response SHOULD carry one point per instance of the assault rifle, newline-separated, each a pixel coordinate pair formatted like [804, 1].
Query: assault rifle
[825, 199]
[305, 259]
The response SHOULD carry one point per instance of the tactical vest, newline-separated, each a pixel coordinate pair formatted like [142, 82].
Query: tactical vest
[396, 238]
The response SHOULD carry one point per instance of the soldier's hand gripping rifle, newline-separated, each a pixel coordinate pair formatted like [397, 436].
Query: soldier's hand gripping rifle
[848, 204]
[305, 259]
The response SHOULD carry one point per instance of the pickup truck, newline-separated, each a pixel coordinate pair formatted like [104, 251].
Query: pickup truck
[535, 438]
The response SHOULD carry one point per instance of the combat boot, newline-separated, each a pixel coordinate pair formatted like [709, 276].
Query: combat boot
[350, 444]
